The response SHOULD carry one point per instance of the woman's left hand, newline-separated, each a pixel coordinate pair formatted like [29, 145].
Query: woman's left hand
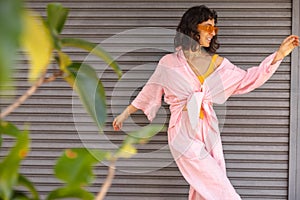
[287, 46]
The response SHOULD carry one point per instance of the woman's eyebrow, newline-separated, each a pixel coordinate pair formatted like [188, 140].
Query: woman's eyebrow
[208, 23]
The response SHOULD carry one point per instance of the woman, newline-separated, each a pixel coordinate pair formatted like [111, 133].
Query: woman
[191, 80]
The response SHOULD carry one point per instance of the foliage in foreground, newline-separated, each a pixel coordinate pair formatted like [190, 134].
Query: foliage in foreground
[40, 39]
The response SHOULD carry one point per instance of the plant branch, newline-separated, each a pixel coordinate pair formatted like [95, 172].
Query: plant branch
[28, 93]
[106, 185]
[53, 77]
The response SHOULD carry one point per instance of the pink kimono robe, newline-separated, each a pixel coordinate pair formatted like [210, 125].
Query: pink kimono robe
[195, 143]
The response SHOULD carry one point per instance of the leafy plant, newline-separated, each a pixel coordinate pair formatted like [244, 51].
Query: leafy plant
[9, 167]
[10, 23]
[41, 40]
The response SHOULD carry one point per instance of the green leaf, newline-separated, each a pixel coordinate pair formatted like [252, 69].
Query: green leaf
[64, 61]
[90, 91]
[70, 192]
[141, 136]
[19, 195]
[9, 167]
[11, 26]
[37, 43]
[126, 151]
[9, 129]
[57, 16]
[23, 181]
[94, 49]
[75, 166]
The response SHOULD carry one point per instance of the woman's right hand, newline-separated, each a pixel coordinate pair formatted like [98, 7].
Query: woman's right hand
[118, 121]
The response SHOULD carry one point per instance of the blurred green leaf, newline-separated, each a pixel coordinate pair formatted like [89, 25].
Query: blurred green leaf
[126, 151]
[90, 91]
[141, 136]
[75, 166]
[11, 26]
[9, 167]
[94, 49]
[70, 192]
[37, 43]
[57, 16]
[9, 129]
[19, 195]
[64, 61]
[23, 181]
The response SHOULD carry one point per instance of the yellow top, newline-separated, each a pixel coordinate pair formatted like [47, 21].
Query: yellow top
[209, 70]
[201, 78]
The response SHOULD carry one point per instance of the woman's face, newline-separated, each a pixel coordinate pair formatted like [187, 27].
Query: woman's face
[207, 31]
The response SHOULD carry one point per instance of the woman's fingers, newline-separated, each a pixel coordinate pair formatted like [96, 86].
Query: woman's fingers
[117, 124]
[117, 127]
[296, 41]
[288, 45]
[291, 40]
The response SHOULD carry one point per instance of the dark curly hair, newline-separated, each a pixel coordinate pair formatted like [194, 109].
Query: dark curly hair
[187, 35]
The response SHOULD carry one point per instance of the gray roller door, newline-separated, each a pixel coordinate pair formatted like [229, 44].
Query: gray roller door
[255, 126]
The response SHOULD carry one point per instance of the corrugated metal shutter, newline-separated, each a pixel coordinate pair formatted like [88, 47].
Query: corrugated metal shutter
[255, 131]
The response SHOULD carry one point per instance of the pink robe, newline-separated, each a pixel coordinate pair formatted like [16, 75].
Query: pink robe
[196, 143]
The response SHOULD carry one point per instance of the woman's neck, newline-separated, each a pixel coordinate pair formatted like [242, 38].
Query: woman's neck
[201, 52]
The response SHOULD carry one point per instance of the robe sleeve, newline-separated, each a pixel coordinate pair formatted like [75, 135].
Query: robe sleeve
[241, 81]
[149, 98]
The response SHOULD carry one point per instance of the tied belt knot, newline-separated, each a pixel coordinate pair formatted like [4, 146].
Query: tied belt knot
[198, 106]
